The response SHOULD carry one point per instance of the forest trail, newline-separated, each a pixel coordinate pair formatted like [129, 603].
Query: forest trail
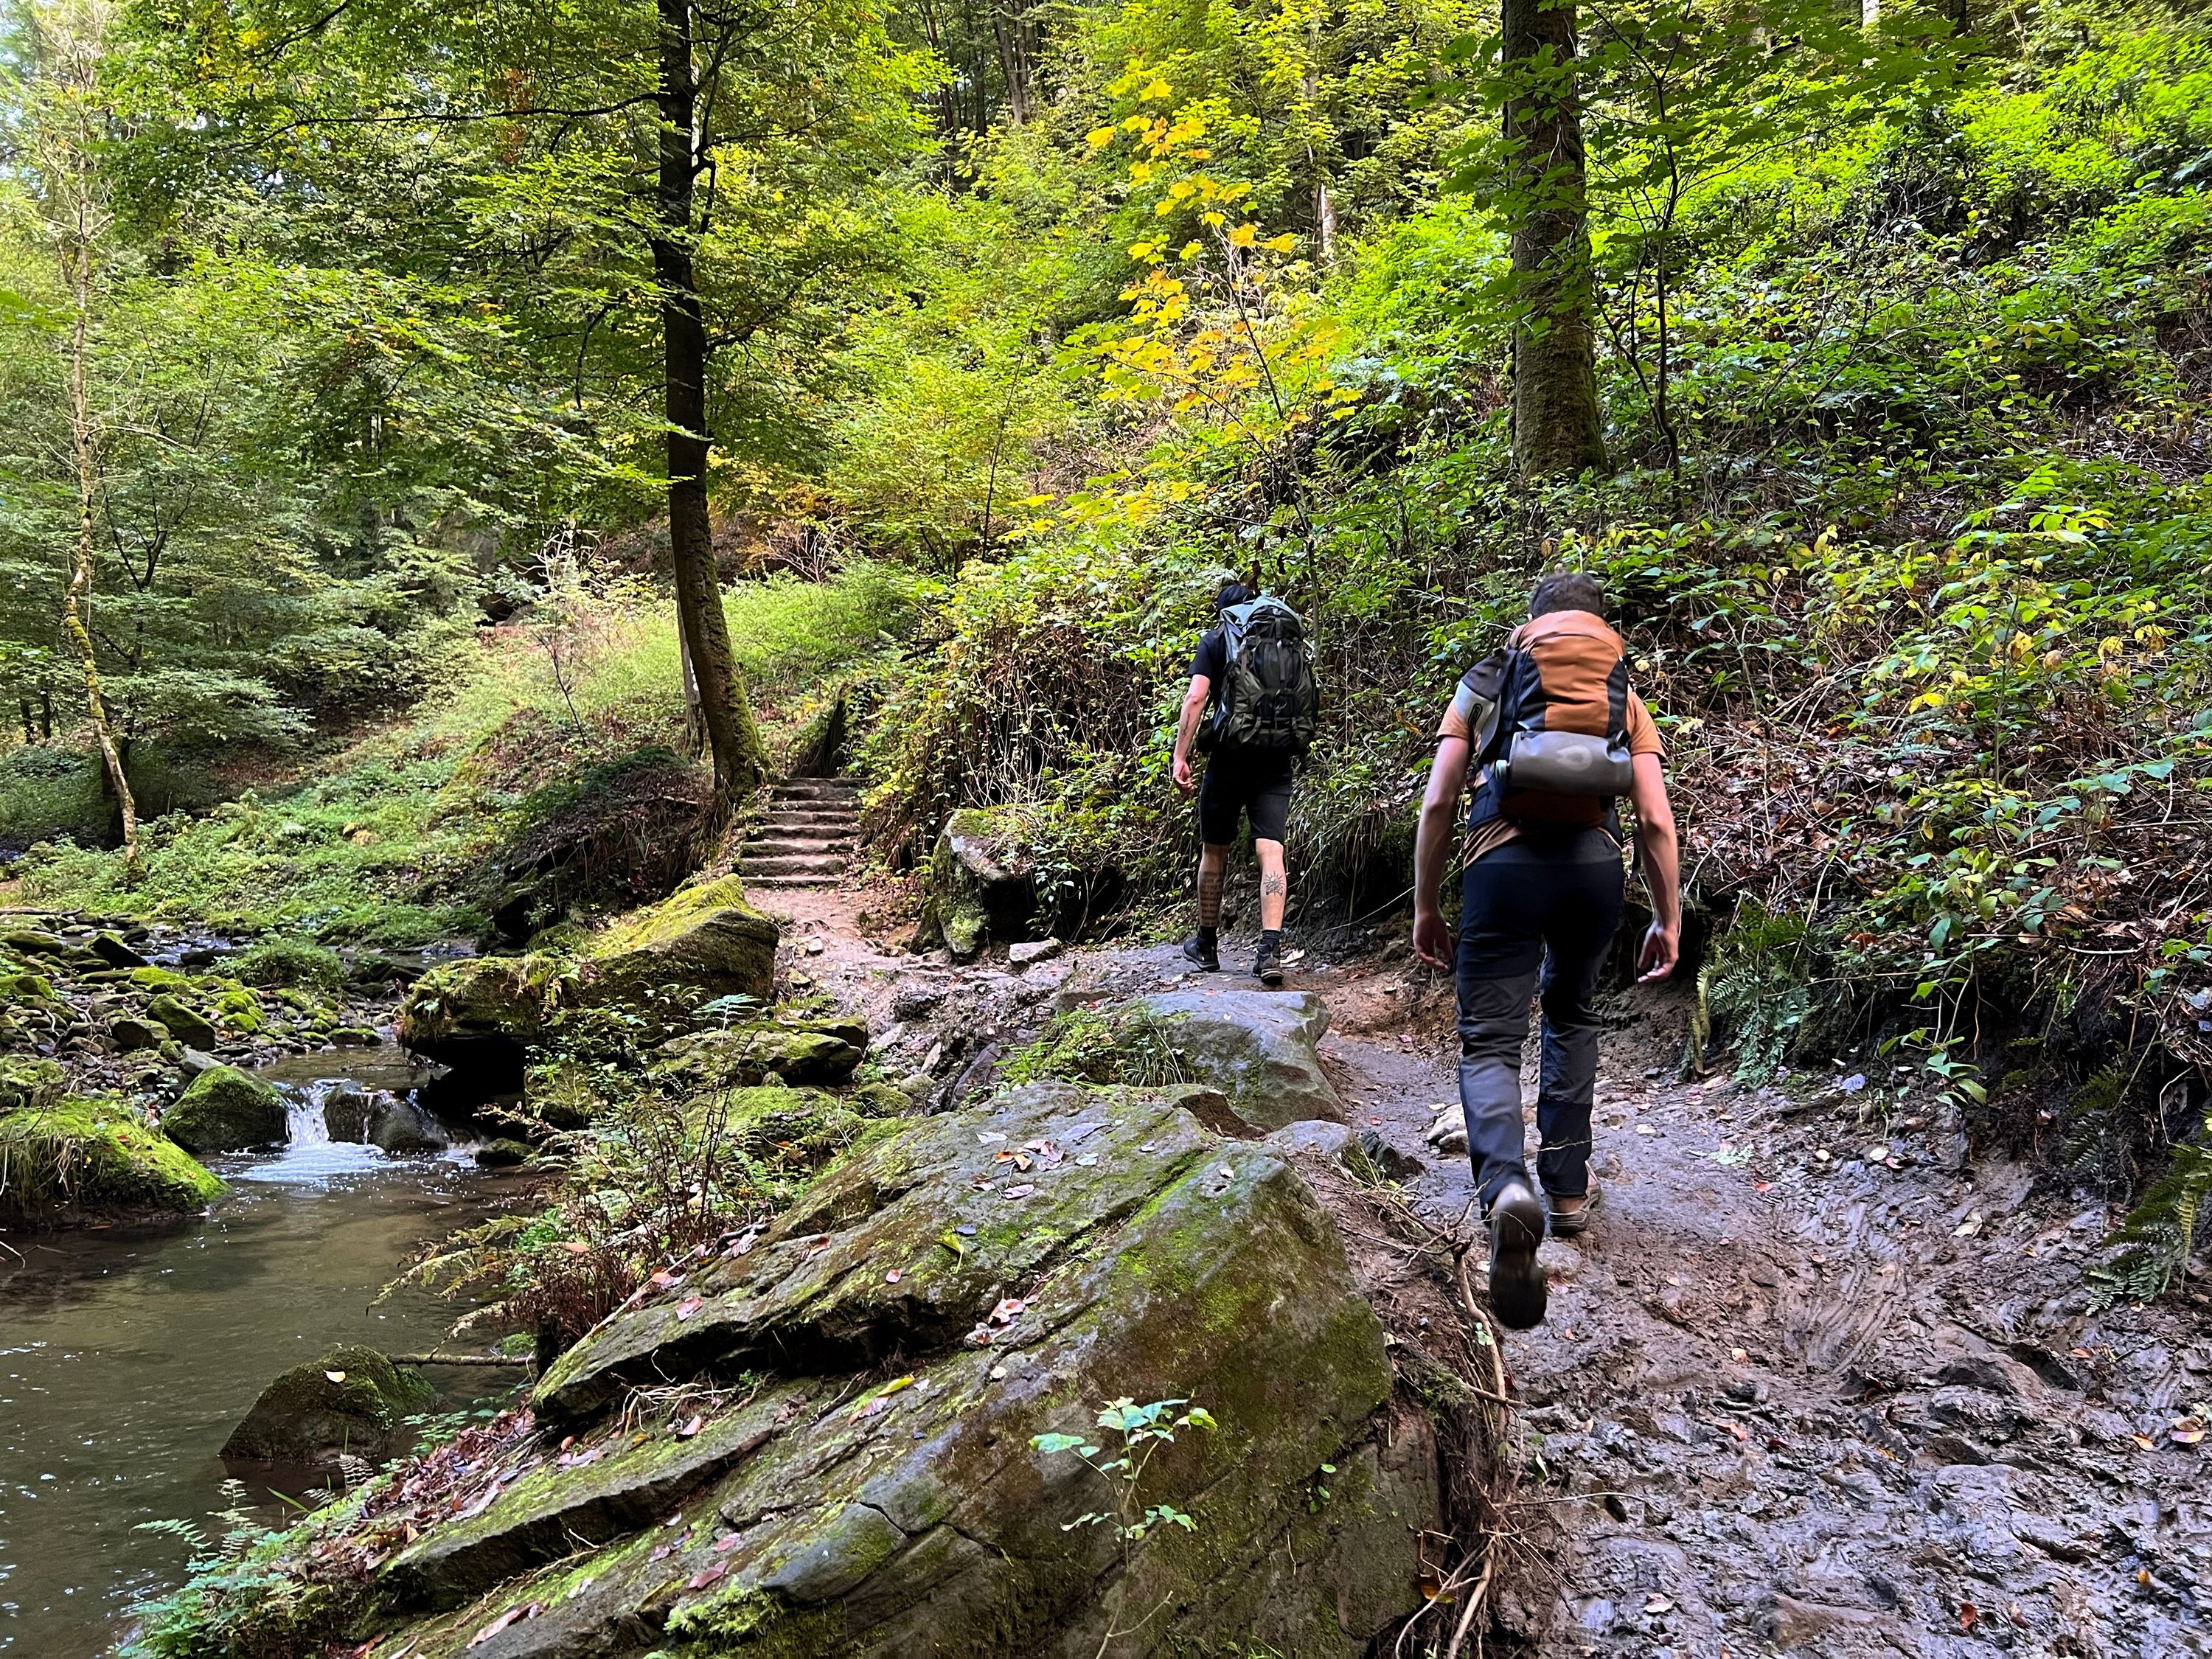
[1788, 1398]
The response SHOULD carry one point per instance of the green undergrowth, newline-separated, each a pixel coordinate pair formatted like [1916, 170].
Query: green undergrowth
[1124, 1045]
[400, 840]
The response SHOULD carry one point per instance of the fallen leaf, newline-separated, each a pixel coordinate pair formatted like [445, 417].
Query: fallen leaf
[728, 1542]
[1875, 1154]
[1969, 1227]
[496, 1626]
[988, 1137]
[700, 1580]
[575, 1247]
[892, 1277]
[667, 1280]
[2187, 1431]
[997, 1373]
[692, 1428]
[688, 1308]
[1022, 1191]
[1967, 1615]
[1087, 1159]
[1658, 1604]
[1009, 1310]
[1225, 1172]
[2146, 1443]
[950, 1240]
[2081, 1354]
[335, 1377]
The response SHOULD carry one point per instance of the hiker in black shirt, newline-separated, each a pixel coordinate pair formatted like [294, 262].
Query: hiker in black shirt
[1238, 784]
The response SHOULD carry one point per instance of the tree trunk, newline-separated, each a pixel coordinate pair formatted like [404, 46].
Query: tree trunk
[1557, 427]
[734, 741]
[1008, 31]
[78, 228]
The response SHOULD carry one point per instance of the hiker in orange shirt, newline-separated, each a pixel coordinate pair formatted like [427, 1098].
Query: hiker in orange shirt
[1548, 735]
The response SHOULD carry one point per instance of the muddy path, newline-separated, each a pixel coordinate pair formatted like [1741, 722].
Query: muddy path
[1806, 1387]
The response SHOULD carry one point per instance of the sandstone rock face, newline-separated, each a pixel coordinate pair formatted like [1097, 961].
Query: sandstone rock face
[350, 1399]
[927, 1307]
[1258, 1048]
[224, 1110]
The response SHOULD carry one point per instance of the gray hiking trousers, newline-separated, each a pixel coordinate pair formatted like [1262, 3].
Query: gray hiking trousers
[1533, 914]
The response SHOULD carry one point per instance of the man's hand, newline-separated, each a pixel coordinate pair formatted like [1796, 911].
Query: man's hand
[1184, 782]
[1662, 947]
[1432, 940]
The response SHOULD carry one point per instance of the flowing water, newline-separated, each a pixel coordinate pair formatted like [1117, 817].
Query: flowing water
[126, 1358]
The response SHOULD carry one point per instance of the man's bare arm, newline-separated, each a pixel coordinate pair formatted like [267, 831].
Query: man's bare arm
[1432, 939]
[1193, 710]
[1655, 828]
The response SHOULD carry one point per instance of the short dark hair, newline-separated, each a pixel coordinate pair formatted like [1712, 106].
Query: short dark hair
[1231, 593]
[1567, 590]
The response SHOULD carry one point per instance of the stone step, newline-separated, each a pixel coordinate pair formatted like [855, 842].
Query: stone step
[783, 845]
[792, 863]
[823, 820]
[827, 789]
[768, 884]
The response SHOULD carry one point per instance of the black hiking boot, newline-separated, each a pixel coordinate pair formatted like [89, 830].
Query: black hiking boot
[1201, 950]
[1517, 1290]
[1268, 964]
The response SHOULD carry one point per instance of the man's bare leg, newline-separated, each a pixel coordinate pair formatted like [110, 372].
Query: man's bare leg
[1274, 890]
[1212, 870]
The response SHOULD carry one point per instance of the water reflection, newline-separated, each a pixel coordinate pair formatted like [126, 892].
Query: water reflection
[126, 1358]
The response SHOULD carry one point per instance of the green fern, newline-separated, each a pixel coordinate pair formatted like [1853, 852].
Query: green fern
[1757, 989]
[2155, 1240]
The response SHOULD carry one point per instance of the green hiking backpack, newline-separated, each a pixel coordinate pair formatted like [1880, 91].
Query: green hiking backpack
[1269, 702]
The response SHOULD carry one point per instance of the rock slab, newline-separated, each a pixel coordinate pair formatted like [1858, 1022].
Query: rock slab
[1261, 1048]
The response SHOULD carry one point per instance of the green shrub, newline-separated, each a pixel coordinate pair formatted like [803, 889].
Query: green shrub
[279, 962]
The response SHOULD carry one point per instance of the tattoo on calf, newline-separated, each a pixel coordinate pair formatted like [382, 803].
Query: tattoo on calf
[1209, 897]
[1274, 884]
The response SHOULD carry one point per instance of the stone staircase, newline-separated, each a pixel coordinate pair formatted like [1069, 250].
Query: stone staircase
[812, 827]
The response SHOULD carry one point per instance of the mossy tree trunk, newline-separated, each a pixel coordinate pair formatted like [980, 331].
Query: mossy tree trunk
[722, 708]
[1558, 428]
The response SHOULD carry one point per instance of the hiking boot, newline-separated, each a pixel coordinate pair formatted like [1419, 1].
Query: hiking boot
[1268, 964]
[1203, 952]
[1517, 1290]
[1575, 1221]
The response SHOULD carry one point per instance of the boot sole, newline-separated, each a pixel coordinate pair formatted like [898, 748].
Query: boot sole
[1518, 1293]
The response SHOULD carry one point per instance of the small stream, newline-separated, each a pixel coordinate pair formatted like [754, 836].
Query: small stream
[126, 1357]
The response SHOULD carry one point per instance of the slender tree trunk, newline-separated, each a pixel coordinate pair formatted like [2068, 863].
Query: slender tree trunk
[1007, 31]
[740, 761]
[78, 229]
[1557, 427]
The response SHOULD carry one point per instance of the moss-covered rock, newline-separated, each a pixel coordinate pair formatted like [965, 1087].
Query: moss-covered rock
[982, 883]
[26, 988]
[349, 1400]
[130, 1034]
[95, 1156]
[661, 963]
[225, 1110]
[184, 1024]
[796, 1048]
[484, 1006]
[893, 1514]
[502, 1154]
[25, 1082]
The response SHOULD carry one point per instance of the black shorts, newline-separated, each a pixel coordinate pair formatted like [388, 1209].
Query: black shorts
[1232, 787]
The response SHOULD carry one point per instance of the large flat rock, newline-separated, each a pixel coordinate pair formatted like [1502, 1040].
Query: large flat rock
[862, 1482]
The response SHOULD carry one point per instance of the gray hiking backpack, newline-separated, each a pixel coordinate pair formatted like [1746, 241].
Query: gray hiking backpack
[1269, 701]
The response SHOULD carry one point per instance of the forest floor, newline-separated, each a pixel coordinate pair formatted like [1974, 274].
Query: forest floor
[1790, 1396]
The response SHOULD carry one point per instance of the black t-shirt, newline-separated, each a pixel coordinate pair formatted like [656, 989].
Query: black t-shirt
[1212, 658]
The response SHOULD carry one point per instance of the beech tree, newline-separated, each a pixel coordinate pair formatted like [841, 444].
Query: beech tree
[666, 200]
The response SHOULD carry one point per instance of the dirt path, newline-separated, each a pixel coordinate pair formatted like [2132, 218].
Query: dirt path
[1787, 1400]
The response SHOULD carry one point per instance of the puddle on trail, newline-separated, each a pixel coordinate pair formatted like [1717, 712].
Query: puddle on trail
[126, 1358]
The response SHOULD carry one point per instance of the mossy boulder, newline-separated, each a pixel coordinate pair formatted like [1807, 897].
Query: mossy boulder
[186, 1025]
[661, 963]
[982, 883]
[795, 1049]
[95, 1156]
[925, 1310]
[1261, 1048]
[25, 1082]
[130, 1034]
[26, 988]
[350, 1399]
[484, 1007]
[224, 1110]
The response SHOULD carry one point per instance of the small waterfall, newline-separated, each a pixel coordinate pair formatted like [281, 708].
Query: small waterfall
[305, 1122]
